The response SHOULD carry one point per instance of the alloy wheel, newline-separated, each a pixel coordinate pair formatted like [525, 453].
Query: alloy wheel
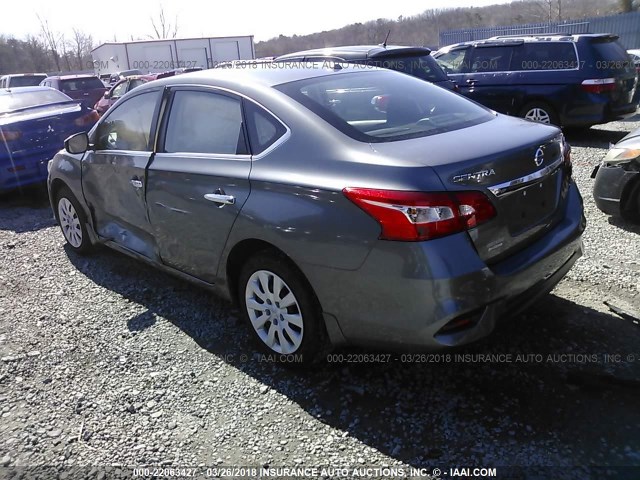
[538, 115]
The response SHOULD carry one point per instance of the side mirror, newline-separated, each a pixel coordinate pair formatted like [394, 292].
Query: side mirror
[107, 94]
[76, 144]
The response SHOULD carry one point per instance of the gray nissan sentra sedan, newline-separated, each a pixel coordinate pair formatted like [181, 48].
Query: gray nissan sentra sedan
[335, 204]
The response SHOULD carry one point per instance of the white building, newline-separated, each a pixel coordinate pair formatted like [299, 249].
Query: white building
[162, 55]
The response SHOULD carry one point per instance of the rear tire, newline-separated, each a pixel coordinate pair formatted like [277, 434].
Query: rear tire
[72, 221]
[540, 112]
[281, 310]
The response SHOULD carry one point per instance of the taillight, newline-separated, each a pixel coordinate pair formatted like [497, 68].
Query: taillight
[88, 119]
[9, 135]
[415, 216]
[599, 85]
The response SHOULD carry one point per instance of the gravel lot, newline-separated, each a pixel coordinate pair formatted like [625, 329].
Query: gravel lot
[108, 362]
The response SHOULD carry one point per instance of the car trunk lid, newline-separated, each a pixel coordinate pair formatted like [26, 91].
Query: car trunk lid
[518, 165]
[34, 135]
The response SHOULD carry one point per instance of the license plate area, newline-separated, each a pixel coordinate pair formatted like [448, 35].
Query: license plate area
[529, 206]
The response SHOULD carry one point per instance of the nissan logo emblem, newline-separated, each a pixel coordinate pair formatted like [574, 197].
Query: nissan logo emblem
[538, 158]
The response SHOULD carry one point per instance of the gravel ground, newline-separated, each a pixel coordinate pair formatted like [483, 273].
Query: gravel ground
[108, 362]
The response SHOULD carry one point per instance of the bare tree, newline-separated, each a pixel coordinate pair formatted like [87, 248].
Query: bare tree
[51, 40]
[80, 45]
[162, 27]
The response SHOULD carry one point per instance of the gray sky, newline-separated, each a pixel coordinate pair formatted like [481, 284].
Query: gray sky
[263, 19]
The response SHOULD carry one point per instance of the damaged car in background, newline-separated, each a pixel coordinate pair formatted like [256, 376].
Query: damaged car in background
[616, 190]
[34, 122]
[412, 227]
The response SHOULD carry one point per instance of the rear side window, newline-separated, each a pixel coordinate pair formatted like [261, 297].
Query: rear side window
[78, 84]
[136, 82]
[264, 129]
[545, 56]
[205, 122]
[491, 59]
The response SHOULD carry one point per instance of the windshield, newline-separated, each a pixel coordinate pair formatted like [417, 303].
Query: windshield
[26, 81]
[382, 106]
[17, 100]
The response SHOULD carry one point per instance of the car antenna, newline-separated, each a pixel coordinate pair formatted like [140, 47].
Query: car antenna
[384, 44]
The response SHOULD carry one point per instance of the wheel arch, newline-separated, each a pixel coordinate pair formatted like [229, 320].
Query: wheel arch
[247, 248]
[57, 184]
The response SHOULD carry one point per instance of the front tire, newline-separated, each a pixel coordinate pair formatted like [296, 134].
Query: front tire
[72, 221]
[281, 310]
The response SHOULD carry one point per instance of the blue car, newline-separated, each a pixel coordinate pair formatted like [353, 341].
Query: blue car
[566, 80]
[34, 122]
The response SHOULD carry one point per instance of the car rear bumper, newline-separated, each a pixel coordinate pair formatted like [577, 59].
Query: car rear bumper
[609, 187]
[405, 293]
[592, 109]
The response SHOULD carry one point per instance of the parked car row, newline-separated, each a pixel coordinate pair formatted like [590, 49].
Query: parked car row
[34, 122]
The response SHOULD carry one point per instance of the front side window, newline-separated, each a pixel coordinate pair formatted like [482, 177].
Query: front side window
[453, 61]
[205, 122]
[128, 126]
[382, 106]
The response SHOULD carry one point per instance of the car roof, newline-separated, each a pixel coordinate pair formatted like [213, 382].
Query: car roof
[532, 38]
[25, 75]
[70, 77]
[266, 75]
[357, 51]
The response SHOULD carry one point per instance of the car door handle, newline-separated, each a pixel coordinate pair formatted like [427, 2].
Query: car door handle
[471, 81]
[220, 198]
[136, 183]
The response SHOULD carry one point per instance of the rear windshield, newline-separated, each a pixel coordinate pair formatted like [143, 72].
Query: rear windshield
[381, 106]
[610, 55]
[421, 66]
[76, 84]
[17, 100]
[26, 81]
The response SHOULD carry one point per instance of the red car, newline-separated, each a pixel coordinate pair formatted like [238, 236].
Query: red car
[119, 89]
[87, 89]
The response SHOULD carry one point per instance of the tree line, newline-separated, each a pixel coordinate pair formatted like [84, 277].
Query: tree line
[52, 51]
[424, 29]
